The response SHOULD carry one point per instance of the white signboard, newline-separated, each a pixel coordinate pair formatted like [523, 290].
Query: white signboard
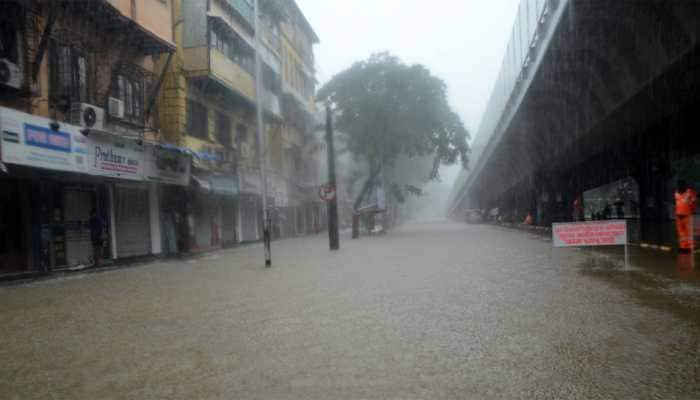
[167, 166]
[116, 157]
[250, 182]
[29, 140]
[596, 233]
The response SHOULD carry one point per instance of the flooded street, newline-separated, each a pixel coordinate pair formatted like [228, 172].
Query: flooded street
[437, 311]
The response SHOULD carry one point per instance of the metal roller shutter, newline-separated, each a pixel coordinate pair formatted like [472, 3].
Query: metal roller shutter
[133, 233]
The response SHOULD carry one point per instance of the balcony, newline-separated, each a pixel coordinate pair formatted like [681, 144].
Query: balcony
[271, 103]
[211, 63]
[244, 9]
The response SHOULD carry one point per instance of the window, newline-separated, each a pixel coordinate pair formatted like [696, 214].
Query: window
[223, 129]
[71, 76]
[9, 40]
[234, 48]
[130, 91]
[197, 121]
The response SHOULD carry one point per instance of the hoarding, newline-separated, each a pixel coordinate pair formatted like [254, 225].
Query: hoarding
[167, 166]
[31, 141]
[116, 157]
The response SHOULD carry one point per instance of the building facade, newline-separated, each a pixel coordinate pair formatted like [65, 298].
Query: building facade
[141, 115]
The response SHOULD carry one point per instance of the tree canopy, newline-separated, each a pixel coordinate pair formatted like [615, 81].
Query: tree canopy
[390, 109]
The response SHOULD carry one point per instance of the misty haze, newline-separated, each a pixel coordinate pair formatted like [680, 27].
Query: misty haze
[325, 199]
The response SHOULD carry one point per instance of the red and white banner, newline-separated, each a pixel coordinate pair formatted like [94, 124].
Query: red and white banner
[596, 233]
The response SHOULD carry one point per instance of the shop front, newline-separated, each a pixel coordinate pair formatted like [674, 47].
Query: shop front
[68, 185]
[121, 161]
[250, 207]
[15, 239]
[211, 211]
[168, 168]
[226, 188]
[48, 195]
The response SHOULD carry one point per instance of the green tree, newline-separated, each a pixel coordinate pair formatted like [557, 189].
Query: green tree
[389, 109]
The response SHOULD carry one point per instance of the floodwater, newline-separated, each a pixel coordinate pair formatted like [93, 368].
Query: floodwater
[435, 311]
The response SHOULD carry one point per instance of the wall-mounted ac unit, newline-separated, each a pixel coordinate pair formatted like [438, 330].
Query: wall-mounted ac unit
[87, 116]
[115, 107]
[10, 74]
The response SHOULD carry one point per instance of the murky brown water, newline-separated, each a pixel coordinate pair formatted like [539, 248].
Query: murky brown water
[437, 311]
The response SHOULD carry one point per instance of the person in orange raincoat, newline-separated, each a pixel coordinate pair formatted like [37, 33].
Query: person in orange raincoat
[686, 201]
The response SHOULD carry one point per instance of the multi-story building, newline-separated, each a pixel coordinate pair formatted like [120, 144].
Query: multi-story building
[80, 132]
[143, 112]
[209, 103]
[297, 38]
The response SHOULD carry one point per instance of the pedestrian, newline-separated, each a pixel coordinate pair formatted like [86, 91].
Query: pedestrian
[578, 209]
[686, 201]
[528, 219]
[97, 226]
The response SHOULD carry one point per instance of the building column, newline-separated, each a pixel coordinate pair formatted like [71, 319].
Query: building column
[154, 215]
[112, 222]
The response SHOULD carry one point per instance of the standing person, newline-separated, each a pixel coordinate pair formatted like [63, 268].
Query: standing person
[686, 199]
[97, 226]
[578, 209]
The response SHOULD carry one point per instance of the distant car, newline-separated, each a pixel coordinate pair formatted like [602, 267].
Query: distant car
[474, 216]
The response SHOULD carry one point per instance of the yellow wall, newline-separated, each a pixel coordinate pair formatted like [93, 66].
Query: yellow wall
[232, 75]
[153, 15]
[195, 60]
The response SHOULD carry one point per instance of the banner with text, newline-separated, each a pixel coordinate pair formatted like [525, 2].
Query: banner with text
[597, 233]
[167, 166]
[116, 157]
[29, 140]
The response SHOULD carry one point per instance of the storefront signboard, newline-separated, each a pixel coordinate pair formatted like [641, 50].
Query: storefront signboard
[116, 157]
[32, 141]
[167, 166]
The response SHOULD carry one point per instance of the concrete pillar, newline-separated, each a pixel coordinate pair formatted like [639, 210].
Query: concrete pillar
[154, 215]
[112, 222]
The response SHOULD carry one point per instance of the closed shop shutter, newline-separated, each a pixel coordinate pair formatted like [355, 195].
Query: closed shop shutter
[76, 215]
[249, 219]
[228, 223]
[133, 233]
[203, 214]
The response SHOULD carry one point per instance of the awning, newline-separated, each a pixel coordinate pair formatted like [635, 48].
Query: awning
[202, 182]
[223, 185]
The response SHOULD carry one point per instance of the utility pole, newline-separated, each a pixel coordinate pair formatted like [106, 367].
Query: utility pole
[267, 234]
[332, 202]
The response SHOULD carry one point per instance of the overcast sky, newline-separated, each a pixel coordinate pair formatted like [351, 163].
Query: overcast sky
[460, 41]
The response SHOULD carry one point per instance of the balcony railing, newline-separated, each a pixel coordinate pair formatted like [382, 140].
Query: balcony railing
[245, 9]
[271, 102]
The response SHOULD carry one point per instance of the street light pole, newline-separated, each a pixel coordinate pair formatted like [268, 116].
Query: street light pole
[333, 235]
[267, 237]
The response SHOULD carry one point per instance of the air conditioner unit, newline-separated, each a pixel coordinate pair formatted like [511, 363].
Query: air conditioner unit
[115, 107]
[87, 115]
[10, 74]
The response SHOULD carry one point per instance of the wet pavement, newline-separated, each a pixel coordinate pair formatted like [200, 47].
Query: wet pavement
[436, 311]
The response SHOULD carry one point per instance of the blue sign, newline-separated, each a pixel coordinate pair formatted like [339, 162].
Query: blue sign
[46, 138]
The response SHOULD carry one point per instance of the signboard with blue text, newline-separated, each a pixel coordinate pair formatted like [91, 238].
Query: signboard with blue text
[29, 140]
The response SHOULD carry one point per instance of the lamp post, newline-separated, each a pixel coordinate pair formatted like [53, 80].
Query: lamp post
[267, 234]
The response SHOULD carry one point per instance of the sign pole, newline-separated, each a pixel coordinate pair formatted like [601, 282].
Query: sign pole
[267, 234]
[333, 235]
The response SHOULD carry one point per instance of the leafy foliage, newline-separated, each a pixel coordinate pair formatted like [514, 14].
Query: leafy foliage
[389, 109]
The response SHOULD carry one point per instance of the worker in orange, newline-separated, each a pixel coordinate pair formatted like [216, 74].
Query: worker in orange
[686, 200]
[528, 219]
